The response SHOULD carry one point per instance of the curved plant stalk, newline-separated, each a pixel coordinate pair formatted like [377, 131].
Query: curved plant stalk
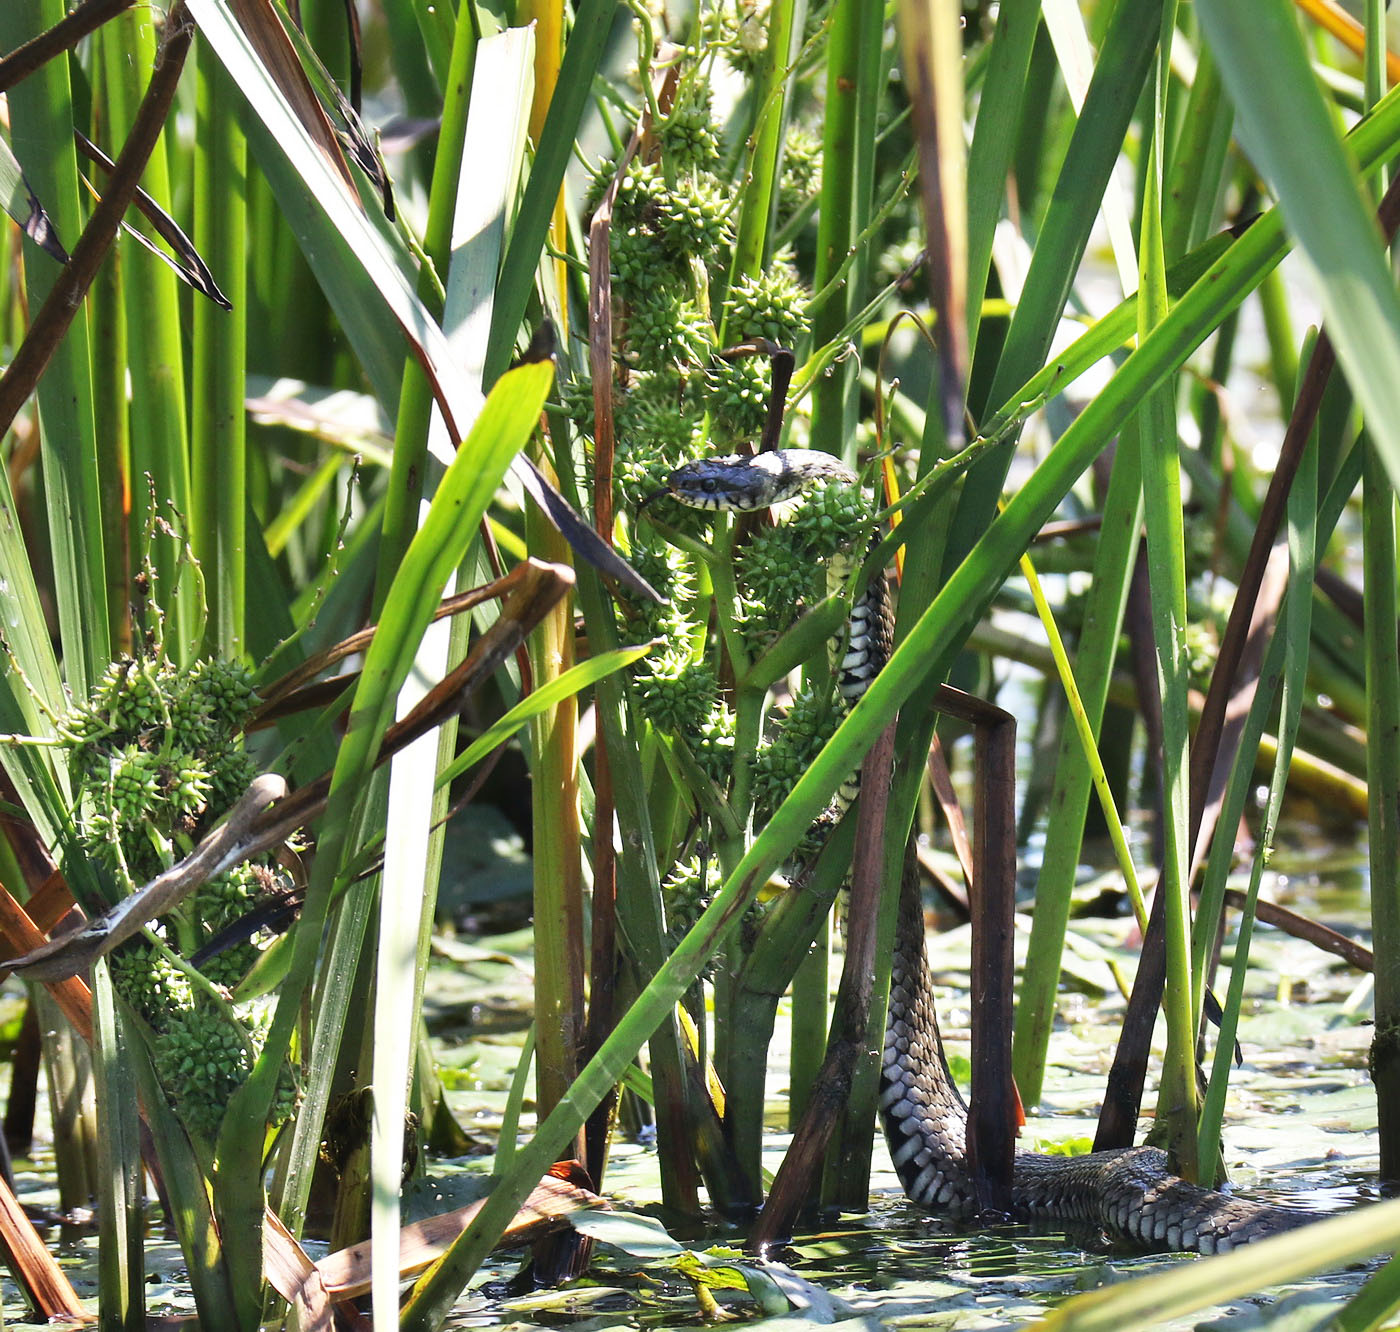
[1296, 630]
[1088, 742]
[506, 420]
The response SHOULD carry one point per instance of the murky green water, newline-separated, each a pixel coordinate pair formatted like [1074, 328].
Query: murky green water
[1302, 1120]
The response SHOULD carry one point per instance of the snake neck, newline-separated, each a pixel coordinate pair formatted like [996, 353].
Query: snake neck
[924, 1117]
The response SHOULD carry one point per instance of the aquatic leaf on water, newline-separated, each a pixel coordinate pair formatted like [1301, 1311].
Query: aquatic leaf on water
[561, 1301]
[641, 1236]
[717, 1275]
[816, 1303]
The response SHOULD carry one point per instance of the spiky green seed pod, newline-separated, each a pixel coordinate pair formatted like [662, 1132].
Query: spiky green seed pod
[227, 687]
[802, 170]
[737, 393]
[576, 400]
[832, 517]
[689, 136]
[712, 744]
[1202, 651]
[138, 706]
[779, 575]
[674, 693]
[153, 985]
[640, 195]
[127, 697]
[658, 419]
[229, 775]
[669, 572]
[799, 737]
[694, 218]
[772, 304]
[685, 893]
[190, 787]
[641, 263]
[227, 896]
[135, 783]
[663, 332]
[192, 722]
[202, 1059]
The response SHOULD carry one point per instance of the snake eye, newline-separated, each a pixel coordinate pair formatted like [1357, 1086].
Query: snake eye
[709, 485]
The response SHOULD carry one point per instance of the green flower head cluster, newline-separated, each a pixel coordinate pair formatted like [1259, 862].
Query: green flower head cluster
[810, 722]
[780, 580]
[157, 754]
[675, 694]
[833, 518]
[208, 1057]
[689, 136]
[712, 744]
[686, 891]
[802, 170]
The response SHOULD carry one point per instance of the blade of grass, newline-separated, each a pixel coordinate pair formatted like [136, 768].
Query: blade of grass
[41, 133]
[993, 139]
[1068, 36]
[1124, 62]
[464, 239]
[218, 422]
[120, 1254]
[155, 362]
[1166, 565]
[1182, 1290]
[573, 681]
[1296, 628]
[507, 418]
[1285, 125]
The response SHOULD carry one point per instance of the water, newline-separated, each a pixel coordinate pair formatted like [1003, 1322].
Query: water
[1302, 1120]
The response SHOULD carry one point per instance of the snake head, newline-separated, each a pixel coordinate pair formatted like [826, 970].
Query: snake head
[736, 482]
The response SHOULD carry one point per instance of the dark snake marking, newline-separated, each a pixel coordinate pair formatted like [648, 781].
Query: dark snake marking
[1128, 1194]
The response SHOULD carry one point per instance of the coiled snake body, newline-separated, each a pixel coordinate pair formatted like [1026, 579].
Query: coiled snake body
[1129, 1194]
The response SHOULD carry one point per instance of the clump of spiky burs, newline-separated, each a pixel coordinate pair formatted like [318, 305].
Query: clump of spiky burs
[683, 389]
[158, 757]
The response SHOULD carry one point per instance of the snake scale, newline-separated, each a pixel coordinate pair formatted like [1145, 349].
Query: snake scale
[1128, 1194]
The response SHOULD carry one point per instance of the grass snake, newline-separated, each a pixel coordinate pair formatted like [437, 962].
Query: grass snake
[1129, 1194]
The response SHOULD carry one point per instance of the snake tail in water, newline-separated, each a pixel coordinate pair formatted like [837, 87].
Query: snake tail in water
[1129, 1194]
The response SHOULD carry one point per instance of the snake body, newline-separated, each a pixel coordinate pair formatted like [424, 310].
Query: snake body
[1129, 1194]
